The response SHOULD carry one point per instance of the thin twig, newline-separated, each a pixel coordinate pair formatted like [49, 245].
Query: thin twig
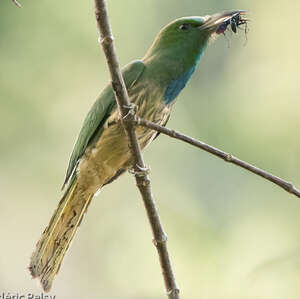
[139, 167]
[287, 186]
[17, 3]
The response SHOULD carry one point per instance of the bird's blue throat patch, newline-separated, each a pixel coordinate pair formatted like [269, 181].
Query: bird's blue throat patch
[179, 83]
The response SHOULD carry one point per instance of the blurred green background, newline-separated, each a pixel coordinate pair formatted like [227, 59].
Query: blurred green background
[231, 234]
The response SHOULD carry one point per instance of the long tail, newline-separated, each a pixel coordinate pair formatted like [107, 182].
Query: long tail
[55, 240]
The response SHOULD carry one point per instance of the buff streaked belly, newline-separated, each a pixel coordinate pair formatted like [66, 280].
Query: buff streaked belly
[111, 153]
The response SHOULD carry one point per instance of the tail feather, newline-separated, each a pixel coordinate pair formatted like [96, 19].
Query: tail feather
[55, 240]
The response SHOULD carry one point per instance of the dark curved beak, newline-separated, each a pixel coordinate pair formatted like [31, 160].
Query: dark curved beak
[214, 21]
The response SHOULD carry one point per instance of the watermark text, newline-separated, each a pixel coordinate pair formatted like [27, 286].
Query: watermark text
[9, 295]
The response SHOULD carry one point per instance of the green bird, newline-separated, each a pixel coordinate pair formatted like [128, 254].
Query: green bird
[101, 151]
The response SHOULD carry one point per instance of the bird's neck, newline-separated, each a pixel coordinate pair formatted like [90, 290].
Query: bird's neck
[172, 70]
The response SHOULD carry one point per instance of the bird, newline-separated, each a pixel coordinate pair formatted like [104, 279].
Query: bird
[101, 153]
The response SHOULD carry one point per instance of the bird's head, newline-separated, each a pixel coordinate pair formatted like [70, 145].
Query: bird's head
[188, 36]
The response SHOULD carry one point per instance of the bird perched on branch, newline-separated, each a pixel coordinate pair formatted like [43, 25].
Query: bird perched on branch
[101, 152]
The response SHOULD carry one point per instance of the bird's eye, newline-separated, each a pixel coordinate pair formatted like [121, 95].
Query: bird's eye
[184, 27]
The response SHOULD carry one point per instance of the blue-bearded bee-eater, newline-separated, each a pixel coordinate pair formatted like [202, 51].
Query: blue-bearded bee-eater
[101, 151]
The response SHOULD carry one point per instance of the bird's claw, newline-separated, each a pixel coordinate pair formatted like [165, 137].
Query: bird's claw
[142, 171]
[132, 109]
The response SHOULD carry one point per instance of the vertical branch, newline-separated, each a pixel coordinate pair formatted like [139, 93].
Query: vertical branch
[139, 168]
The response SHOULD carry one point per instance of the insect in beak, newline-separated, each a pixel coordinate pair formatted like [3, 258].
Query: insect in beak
[234, 21]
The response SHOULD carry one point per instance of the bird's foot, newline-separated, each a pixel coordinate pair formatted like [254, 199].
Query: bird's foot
[132, 109]
[142, 171]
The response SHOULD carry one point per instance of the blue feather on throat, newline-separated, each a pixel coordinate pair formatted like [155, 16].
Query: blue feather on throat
[179, 83]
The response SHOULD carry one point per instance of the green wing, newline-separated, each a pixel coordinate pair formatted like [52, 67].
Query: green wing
[100, 111]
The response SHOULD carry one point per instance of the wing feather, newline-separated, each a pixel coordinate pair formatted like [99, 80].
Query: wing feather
[98, 114]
